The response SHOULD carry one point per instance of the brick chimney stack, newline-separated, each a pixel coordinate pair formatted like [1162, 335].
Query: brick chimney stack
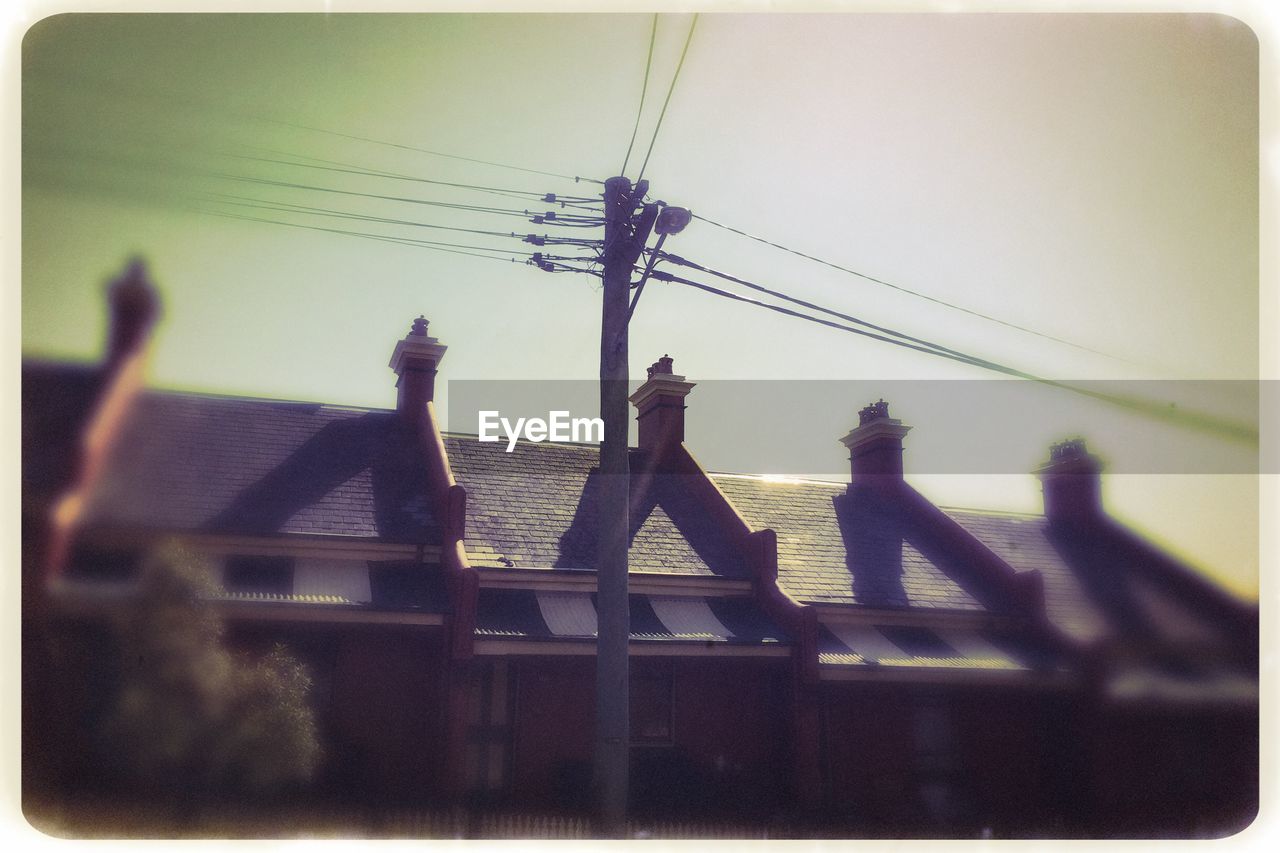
[1072, 483]
[660, 406]
[415, 361]
[875, 446]
[134, 308]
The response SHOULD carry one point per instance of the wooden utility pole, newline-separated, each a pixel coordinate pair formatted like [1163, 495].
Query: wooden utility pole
[625, 233]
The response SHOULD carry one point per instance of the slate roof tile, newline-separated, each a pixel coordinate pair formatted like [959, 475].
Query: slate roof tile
[835, 550]
[194, 462]
[535, 506]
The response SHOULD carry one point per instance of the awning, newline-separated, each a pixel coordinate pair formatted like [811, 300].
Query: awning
[393, 585]
[534, 615]
[909, 646]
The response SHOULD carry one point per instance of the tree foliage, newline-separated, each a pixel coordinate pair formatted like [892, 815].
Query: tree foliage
[190, 717]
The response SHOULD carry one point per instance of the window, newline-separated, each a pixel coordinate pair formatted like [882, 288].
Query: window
[406, 585]
[490, 707]
[266, 575]
[935, 757]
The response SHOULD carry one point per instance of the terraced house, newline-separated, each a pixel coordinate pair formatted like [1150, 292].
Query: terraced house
[847, 652]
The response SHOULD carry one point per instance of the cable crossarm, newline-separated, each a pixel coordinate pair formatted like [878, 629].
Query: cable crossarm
[1236, 431]
[684, 262]
[906, 290]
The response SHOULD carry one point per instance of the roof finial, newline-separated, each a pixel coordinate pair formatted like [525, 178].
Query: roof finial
[419, 327]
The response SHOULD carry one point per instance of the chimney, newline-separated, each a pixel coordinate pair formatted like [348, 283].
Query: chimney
[875, 446]
[660, 406]
[134, 307]
[415, 360]
[1072, 482]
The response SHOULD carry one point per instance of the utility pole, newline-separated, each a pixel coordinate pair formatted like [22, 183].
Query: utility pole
[625, 234]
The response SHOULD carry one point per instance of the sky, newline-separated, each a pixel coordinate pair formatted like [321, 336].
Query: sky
[1093, 177]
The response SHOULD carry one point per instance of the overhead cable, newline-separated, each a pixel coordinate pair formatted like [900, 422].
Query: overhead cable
[902, 289]
[644, 87]
[662, 114]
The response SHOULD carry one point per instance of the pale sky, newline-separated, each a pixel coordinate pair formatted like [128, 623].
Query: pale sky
[1094, 177]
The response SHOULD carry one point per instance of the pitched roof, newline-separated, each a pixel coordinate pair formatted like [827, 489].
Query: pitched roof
[1092, 589]
[1023, 542]
[535, 507]
[208, 463]
[836, 548]
[194, 462]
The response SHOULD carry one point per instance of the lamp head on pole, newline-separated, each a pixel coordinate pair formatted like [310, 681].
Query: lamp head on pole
[672, 220]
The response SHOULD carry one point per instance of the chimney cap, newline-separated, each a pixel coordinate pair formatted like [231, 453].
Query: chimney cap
[417, 346]
[662, 366]
[1070, 456]
[877, 411]
[1071, 448]
[662, 380]
[874, 424]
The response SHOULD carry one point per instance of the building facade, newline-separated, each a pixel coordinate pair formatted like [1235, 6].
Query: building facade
[845, 654]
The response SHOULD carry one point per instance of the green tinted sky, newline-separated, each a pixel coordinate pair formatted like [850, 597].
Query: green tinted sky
[1091, 176]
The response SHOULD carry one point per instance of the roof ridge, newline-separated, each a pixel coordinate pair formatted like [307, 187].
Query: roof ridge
[577, 445]
[241, 398]
[780, 478]
[1001, 513]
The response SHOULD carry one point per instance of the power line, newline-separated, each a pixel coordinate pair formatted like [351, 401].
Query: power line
[644, 87]
[1223, 428]
[897, 340]
[672, 88]
[902, 289]
[572, 220]
[289, 207]
[574, 178]
[676, 259]
[577, 202]
[127, 91]
[356, 170]
[424, 244]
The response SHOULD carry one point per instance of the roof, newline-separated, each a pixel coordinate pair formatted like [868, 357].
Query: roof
[1023, 542]
[195, 462]
[218, 464]
[535, 508]
[1094, 589]
[838, 548]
